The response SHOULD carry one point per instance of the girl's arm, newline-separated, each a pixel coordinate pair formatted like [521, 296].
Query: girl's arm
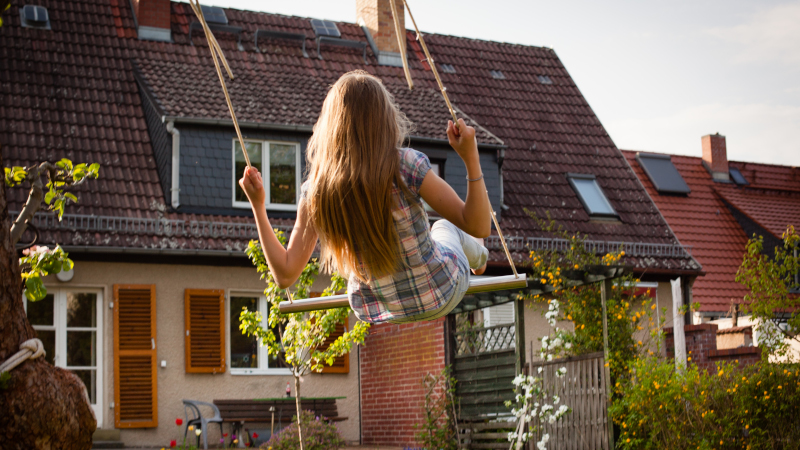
[472, 216]
[285, 264]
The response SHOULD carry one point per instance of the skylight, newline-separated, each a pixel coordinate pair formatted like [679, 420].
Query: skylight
[325, 28]
[34, 16]
[591, 195]
[214, 14]
[448, 68]
[737, 176]
[544, 79]
[663, 174]
[498, 75]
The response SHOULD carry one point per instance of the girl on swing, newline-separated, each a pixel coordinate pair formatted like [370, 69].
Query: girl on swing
[363, 200]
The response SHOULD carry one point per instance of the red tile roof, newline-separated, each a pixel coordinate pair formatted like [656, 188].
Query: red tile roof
[72, 92]
[703, 221]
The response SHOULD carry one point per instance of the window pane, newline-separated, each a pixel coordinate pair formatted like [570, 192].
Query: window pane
[244, 349]
[41, 312]
[89, 378]
[283, 173]
[48, 338]
[81, 310]
[81, 348]
[254, 152]
[592, 196]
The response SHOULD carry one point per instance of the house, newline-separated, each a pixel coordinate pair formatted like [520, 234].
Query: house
[131, 85]
[714, 206]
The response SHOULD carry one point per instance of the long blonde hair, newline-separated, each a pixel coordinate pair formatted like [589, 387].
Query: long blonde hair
[353, 164]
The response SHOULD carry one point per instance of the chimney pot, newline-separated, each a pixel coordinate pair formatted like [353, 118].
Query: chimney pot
[376, 17]
[715, 156]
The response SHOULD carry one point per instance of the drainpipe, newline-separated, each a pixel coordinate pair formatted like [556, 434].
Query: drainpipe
[176, 163]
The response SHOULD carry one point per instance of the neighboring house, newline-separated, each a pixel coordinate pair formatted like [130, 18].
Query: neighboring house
[715, 206]
[162, 232]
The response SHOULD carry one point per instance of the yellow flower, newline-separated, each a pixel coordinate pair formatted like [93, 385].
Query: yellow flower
[576, 266]
[689, 358]
[191, 427]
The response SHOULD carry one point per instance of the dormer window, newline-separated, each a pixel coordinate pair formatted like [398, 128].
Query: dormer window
[591, 195]
[34, 16]
[279, 164]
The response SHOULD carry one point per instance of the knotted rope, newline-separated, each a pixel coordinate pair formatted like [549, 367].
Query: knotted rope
[30, 349]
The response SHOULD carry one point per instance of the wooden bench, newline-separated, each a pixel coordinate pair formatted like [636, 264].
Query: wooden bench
[240, 411]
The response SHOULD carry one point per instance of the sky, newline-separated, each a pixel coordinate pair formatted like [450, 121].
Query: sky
[659, 75]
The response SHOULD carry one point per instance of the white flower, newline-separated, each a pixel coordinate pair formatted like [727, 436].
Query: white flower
[541, 444]
[551, 419]
[563, 409]
[561, 372]
[568, 345]
[539, 369]
[556, 399]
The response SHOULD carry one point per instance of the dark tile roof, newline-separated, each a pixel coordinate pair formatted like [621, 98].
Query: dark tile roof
[72, 92]
[734, 330]
[703, 221]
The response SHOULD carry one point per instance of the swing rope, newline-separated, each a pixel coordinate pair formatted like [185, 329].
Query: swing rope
[216, 52]
[401, 43]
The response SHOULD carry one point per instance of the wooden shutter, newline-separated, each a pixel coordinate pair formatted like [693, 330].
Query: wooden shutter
[342, 363]
[135, 391]
[204, 310]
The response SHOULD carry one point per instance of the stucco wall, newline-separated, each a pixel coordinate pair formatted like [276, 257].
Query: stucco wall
[174, 384]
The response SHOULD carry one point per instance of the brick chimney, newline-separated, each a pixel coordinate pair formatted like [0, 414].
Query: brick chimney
[715, 156]
[152, 18]
[375, 18]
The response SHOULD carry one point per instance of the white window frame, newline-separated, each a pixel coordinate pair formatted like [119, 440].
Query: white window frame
[263, 353]
[265, 174]
[60, 327]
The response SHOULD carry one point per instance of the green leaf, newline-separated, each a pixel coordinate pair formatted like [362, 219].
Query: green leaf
[65, 164]
[49, 196]
[71, 197]
[34, 289]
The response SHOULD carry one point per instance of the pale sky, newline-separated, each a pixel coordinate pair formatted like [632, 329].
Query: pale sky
[659, 75]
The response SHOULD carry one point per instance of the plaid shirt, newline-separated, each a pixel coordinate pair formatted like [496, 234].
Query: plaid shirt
[431, 270]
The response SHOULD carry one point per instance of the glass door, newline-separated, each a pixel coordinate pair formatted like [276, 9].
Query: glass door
[69, 324]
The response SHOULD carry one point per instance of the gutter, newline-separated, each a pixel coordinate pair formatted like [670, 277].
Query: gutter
[176, 164]
[86, 249]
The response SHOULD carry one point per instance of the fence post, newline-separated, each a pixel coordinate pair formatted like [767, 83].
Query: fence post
[519, 333]
[605, 292]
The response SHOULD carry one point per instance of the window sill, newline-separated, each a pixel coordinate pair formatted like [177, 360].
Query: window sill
[268, 207]
[261, 371]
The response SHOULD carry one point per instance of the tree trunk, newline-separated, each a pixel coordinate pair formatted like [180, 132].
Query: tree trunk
[44, 407]
[297, 405]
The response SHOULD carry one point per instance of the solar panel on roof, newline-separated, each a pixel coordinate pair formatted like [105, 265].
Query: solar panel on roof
[544, 79]
[214, 14]
[325, 28]
[448, 68]
[737, 176]
[663, 174]
[34, 16]
[591, 195]
[496, 74]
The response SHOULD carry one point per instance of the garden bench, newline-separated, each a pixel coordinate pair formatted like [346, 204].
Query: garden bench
[240, 411]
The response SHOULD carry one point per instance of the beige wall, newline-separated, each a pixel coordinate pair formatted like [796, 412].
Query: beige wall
[174, 383]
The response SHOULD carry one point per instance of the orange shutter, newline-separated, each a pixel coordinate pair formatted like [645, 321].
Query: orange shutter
[135, 393]
[204, 310]
[342, 363]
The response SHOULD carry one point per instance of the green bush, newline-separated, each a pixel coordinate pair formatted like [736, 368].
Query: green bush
[755, 407]
[317, 435]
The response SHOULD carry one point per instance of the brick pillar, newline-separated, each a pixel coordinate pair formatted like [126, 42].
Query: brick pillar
[701, 346]
[715, 156]
[393, 361]
[153, 19]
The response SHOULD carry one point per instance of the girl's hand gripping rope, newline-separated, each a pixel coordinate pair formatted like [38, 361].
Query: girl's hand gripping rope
[253, 186]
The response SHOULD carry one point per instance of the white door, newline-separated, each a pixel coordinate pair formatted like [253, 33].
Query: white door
[69, 323]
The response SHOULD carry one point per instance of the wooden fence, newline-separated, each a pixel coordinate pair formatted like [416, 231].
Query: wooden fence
[584, 389]
[484, 366]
